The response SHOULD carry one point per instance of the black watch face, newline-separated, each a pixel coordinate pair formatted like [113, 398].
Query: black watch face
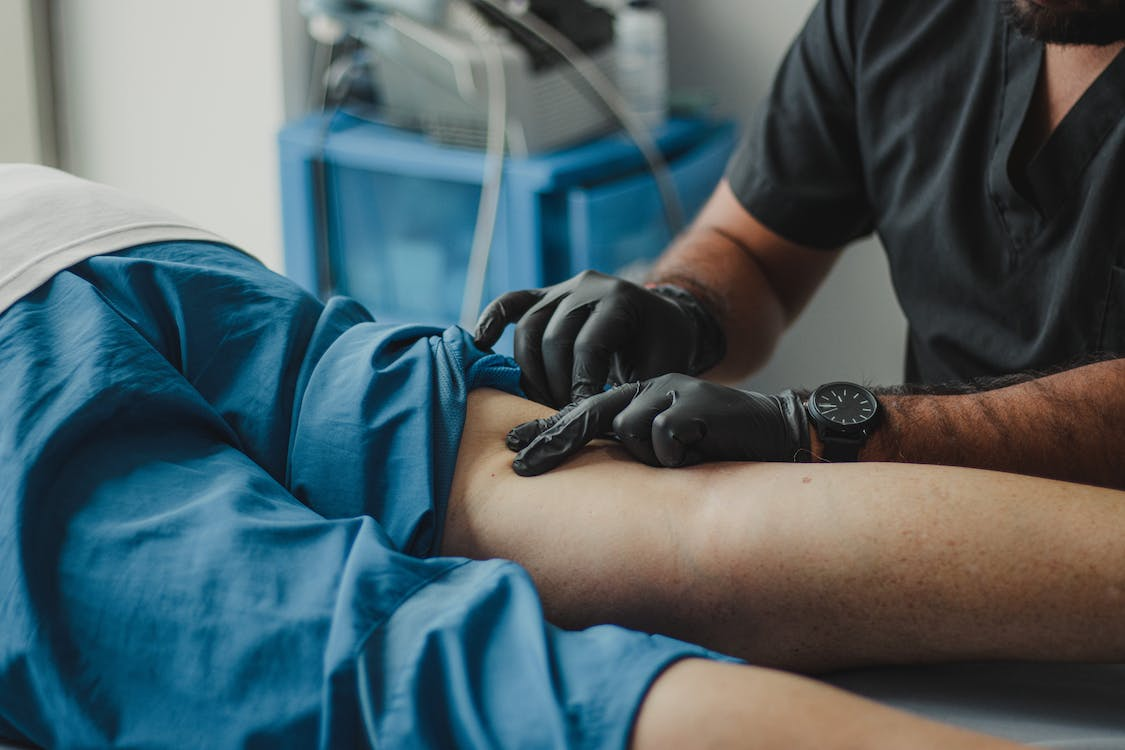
[845, 404]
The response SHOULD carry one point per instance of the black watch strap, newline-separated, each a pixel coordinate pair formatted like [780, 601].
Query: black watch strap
[839, 449]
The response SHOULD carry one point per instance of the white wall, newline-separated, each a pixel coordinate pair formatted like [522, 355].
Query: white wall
[179, 102]
[24, 97]
[853, 329]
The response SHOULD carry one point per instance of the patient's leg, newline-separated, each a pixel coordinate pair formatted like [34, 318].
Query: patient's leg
[705, 704]
[802, 566]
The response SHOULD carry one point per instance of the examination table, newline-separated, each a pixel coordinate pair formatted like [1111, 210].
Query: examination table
[1065, 706]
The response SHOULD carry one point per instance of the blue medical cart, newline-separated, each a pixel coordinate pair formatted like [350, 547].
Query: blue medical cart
[387, 216]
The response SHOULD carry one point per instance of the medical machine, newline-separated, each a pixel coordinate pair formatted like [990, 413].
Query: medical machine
[431, 67]
[510, 96]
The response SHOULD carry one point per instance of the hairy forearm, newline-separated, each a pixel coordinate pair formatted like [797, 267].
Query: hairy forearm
[1068, 426]
[754, 281]
[729, 282]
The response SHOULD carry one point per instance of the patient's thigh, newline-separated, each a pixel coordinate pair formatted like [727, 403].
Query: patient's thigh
[606, 539]
[701, 553]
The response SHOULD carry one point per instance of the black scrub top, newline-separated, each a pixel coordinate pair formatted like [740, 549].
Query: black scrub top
[900, 117]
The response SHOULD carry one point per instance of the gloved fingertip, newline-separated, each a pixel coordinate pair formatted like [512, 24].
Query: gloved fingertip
[522, 436]
[670, 452]
[541, 454]
[670, 462]
[692, 458]
[483, 337]
[525, 469]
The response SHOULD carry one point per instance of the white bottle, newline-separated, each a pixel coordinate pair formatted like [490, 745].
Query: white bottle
[641, 38]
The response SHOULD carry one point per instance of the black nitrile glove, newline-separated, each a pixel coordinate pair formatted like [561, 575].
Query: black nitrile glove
[673, 420]
[572, 337]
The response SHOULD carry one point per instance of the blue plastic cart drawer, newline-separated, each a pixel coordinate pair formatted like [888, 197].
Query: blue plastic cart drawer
[401, 244]
[615, 225]
[387, 217]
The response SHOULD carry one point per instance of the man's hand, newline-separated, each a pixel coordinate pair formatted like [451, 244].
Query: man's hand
[572, 337]
[673, 420]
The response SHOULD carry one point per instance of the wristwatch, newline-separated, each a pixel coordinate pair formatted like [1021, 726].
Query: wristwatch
[844, 415]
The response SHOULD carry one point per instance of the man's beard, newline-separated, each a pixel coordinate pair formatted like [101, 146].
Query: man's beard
[1099, 22]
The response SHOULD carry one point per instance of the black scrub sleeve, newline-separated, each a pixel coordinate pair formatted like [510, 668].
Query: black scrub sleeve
[799, 169]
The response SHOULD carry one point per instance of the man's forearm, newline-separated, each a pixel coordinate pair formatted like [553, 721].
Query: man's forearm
[752, 280]
[1068, 426]
[727, 282]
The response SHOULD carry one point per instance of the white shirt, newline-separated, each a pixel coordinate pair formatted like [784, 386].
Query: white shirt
[50, 220]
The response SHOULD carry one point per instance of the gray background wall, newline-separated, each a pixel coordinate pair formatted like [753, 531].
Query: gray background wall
[26, 125]
[181, 101]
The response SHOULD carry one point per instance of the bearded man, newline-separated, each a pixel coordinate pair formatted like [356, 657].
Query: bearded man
[983, 142]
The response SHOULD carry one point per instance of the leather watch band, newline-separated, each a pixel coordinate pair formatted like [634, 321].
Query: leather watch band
[841, 449]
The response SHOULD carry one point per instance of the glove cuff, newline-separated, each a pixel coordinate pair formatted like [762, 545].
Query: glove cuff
[797, 419]
[710, 341]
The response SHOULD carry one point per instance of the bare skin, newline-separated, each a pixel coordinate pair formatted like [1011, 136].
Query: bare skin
[802, 567]
[700, 704]
[794, 566]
